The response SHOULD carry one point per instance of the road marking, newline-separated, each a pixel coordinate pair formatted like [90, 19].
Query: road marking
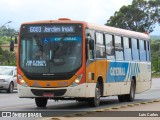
[111, 108]
[144, 102]
[131, 105]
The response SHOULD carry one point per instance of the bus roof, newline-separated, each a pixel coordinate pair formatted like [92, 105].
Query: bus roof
[105, 29]
[119, 31]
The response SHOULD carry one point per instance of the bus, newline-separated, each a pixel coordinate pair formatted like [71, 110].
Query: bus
[66, 59]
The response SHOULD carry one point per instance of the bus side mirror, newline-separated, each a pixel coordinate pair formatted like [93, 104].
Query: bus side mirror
[91, 44]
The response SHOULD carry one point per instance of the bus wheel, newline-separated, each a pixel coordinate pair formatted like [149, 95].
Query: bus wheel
[121, 98]
[95, 101]
[130, 97]
[41, 102]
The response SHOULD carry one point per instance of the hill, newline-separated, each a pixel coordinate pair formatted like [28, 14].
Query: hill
[155, 37]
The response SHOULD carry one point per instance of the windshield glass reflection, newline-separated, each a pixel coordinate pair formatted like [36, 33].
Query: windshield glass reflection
[55, 54]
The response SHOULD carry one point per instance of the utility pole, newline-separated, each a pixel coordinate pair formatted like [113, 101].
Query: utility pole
[158, 56]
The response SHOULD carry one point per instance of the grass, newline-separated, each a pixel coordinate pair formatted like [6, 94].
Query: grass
[156, 75]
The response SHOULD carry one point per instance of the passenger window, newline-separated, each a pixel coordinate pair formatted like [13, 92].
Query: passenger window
[147, 51]
[127, 48]
[126, 42]
[100, 47]
[90, 53]
[118, 48]
[110, 51]
[141, 44]
[135, 49]
[142, 50]
[99, 38]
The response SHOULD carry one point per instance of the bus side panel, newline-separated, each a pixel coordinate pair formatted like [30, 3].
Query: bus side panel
[90, 71]
[144, 83]
[90, 78]
[95, 70]
[121, 73]
[110, 86]
[100, 70]
[117, 79]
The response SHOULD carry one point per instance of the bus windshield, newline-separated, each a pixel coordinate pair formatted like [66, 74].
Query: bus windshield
[50, 54]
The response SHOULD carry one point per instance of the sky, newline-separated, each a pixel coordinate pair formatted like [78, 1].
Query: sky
[94, 11]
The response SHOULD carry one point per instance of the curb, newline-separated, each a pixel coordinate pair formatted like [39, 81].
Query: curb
[111, 108]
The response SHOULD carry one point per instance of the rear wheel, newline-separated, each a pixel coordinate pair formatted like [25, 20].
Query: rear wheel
[130, 97]
[95, 101]
[11, 87]
[121, 98]
[41, 102]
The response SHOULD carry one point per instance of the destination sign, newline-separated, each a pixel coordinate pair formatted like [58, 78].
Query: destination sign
[52, 29]
[36, 63]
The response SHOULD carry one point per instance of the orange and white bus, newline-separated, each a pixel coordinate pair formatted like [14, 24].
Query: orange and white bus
[74, 60]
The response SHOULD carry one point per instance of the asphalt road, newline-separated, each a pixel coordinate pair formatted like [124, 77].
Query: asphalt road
[11, 102]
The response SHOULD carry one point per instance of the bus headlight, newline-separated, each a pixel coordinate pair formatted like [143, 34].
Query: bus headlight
[77, 80]
[21, 81]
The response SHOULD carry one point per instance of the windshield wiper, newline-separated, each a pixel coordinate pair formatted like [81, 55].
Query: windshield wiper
[35, 36]
[60, 43]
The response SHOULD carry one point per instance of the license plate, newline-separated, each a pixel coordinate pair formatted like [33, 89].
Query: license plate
[48, 94]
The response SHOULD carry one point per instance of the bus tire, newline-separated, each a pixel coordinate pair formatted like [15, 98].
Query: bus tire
[41, 102]
[121, 98]
[130, 97]
[95, 101]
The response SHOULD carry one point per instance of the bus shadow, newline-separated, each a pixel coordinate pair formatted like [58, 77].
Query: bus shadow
[80, 105]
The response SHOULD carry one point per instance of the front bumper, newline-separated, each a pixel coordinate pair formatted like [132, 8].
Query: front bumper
[80, 91]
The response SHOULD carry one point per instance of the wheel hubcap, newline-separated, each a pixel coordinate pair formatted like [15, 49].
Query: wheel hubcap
[132, 92]
[97, 95]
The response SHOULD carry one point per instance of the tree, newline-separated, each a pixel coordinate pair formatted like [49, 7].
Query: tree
[140, 16]
[4, 31]
[155, 55]
[7, 58]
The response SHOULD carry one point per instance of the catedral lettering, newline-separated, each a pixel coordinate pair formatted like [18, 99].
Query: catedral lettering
[117, 71]
[67, 59]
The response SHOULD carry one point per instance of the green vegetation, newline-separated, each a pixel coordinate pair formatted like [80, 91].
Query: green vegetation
[155, 57]
[140, 16]
[6, 57]
[155, 75]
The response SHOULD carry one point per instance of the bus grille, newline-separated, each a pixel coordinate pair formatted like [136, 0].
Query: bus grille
[55, 92]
